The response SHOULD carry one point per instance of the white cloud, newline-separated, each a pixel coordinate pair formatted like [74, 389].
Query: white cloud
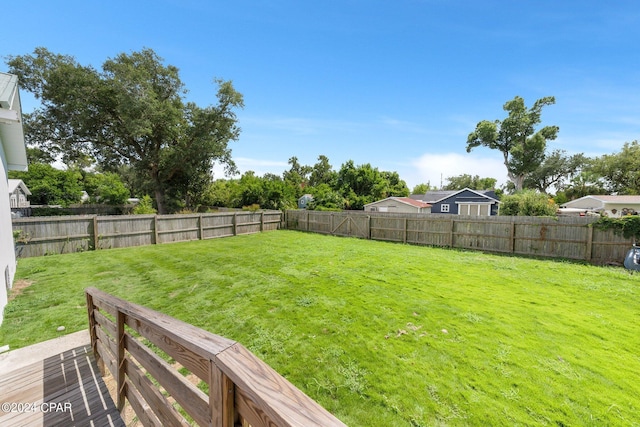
[436, 168]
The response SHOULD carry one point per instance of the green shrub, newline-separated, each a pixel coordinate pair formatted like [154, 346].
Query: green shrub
[528, 203]
[145, 207]
[628, 226]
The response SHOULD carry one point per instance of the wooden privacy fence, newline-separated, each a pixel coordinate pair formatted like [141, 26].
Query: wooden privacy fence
[131, 341]
[564, 237]
[55, 235]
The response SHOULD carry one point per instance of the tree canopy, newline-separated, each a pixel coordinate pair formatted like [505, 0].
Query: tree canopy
[620, 172]
[523, 148]
[557, 170]
[423, 188]
[463, 181]
[51, 186]
[132, 113]
[364, 184]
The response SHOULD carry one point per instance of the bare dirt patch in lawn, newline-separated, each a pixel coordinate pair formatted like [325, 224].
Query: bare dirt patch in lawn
[18, 287]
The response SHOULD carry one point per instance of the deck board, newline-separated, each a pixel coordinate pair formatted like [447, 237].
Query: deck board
[71, 380]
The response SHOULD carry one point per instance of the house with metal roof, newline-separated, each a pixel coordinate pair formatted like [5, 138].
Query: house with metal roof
[13, 155]
[398, 204]
[463, 202]
[612, 206]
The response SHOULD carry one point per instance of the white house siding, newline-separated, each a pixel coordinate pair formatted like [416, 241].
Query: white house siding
[14, 157]
[7, 252]
[612, 206]
[390, 205]
[620, 209]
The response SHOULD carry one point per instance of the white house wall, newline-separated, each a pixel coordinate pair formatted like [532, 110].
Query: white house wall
[7, 252]
[619, 209]
[392, 206]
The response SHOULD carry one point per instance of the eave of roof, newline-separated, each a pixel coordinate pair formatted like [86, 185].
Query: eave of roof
[405, 200]
[11, 132]
[453, 193]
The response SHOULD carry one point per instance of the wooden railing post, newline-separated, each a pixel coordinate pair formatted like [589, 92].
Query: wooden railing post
[243, 390]
[221, 398]
[93, 335]
[121, 363]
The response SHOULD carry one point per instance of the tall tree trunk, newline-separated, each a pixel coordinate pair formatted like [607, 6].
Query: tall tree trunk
[160, 200]
[158, 190]
[518, 180]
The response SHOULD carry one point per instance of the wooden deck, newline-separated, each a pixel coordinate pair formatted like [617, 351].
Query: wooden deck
[60, 389]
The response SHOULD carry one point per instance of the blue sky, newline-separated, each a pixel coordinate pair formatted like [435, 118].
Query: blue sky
[398, 84]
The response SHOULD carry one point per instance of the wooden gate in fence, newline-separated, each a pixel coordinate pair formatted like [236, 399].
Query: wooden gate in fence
[569, 238]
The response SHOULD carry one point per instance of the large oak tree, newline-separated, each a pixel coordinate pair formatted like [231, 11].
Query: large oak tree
[619, 171]
[522, 147]
[131, 113]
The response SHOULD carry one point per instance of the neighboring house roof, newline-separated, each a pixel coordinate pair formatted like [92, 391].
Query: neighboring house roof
[405, 200]
[600, 200]
[11, 132]
[437, 196]
[434, 196]
[15, 183]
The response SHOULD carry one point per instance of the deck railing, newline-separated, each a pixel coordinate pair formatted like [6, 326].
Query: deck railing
[173, 373]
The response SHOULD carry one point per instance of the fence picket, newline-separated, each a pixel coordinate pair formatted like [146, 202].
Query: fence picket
[566, 237]
[55, 235]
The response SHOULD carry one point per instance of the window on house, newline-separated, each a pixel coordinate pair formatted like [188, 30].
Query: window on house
[444, 208]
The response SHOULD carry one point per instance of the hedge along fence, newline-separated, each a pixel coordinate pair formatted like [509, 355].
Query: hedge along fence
[565, 237]
[56, 235]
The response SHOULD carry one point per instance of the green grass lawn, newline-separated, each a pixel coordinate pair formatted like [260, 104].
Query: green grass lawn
[380, 334]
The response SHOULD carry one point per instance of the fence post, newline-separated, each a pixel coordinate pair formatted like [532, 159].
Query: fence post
[512, 236]
[95, 232]
[235, 224]
[589, 249]
[451, 227]
[369, 227]
[404, 239]
[155, 229]
[221, 397]
[200, 228]
[307, 220]
[261, 221]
